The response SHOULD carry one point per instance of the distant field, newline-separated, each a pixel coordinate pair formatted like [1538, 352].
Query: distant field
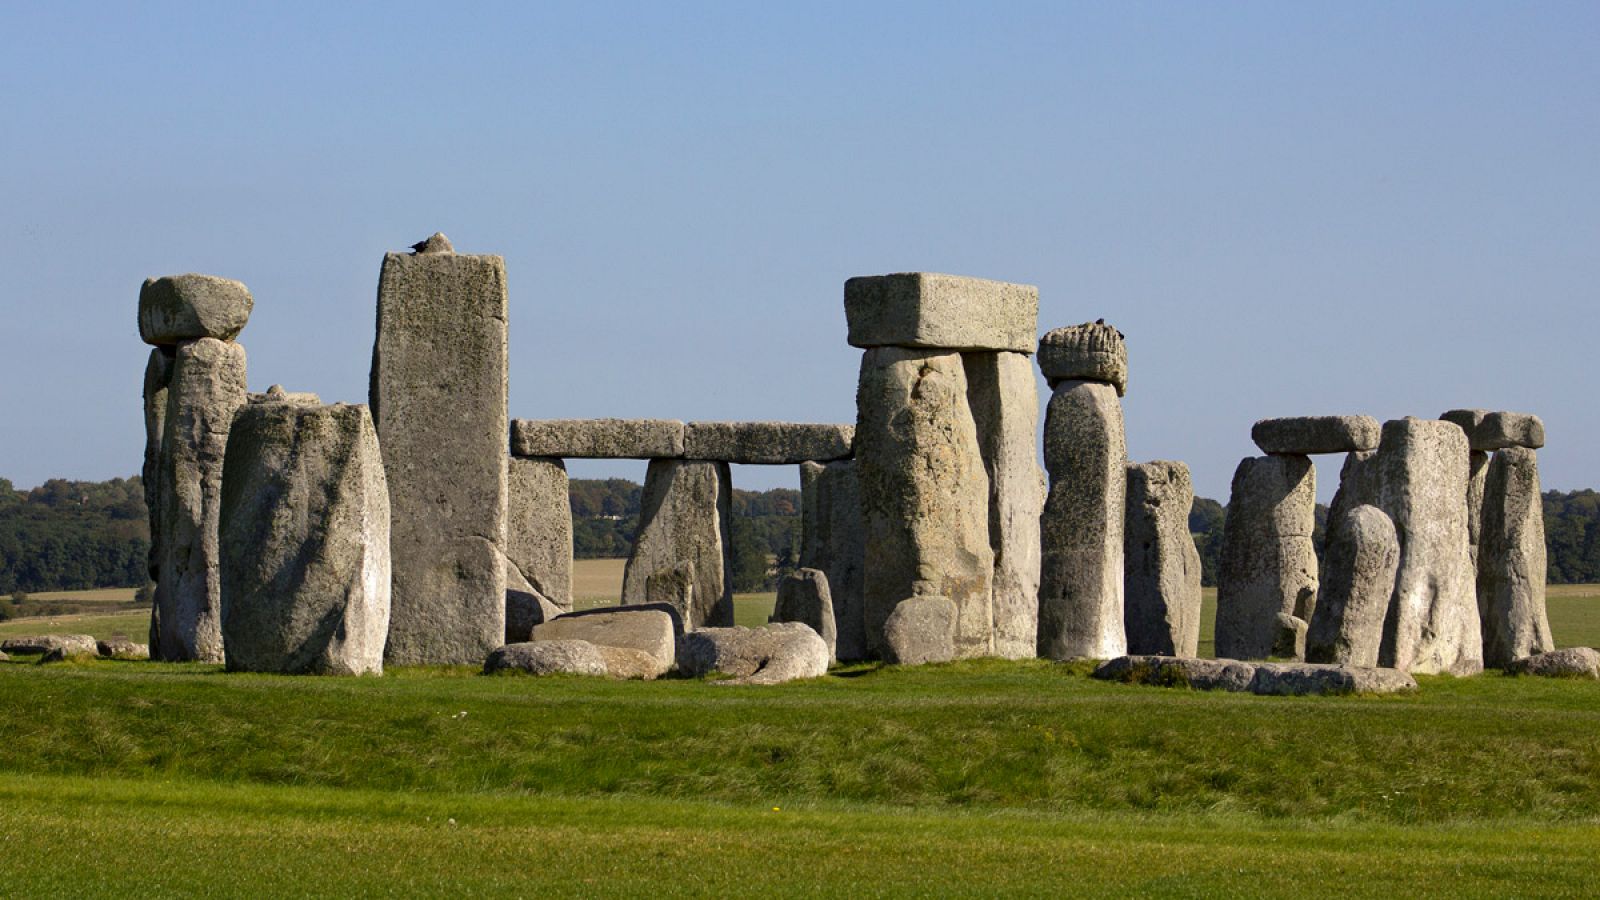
[598, 582]
[92, 595]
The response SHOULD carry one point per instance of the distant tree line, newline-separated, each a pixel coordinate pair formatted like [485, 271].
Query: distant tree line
[73, 535]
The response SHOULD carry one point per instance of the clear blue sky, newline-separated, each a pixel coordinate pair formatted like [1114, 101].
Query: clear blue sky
[1288, 208]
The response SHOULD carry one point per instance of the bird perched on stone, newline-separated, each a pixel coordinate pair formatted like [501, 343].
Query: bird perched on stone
[437, 243]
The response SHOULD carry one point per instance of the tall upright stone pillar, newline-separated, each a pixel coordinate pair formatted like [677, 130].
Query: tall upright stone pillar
[1511, 560]
[539, 526]
[1161, 584]
[1267, 570]
[438, 398]
[157, 378]
[684, 519]
[1086, 454]
[832, 542]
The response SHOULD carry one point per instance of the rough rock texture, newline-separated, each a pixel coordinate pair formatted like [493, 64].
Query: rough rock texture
[121, 648]
[767, 443]
[547, 658]
[1362, 557]
[4, 657]
[672, 588]
[435, 243]
[944, 312]
[525, 606]
[598, 438]
[924, 493]
[1268, 564]
[649, 631]
[1080, 583]
[208, 386]
[833, 541]
[920, 630]
[539, 526]
[1256, 678]
[1093, 351]
[1568, 662]
[157, 377]
[770, 655]
[276, 394]
[803, 596]
[178, 308]
[1477, 473]
[304, 534]
[630, 664]
[1316, 434]
[439, 400]
[1511, 560]
[684, 520]
[1161, 566]
[1491, 431]
[70, 644]
[1004, 398]
[1289, 637]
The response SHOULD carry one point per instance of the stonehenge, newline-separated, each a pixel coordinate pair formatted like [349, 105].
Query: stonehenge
[1161, 567]
[803, 596]
[1363, 556]
[832, 542]
[1267, 566]
[1511, 560]
[539, 527]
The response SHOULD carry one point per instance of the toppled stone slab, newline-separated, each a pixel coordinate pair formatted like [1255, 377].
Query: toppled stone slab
[649, 631]
[122, 648]
[684, 519]
[1568, 662]
[1511, 560]
[4, 657]
[525, 606]
[1362, 557]
[1279, 679]
[803, 596]
[1317, 434]
[767, 443]
[1268, 565]
[629, 664]
[539, 526]
[70, 644]
[920, 630]
[1093, 351]
[944, 312]
[178, 308]
[1161, 566]
[598, 438]
[1491, 431]
[832, 541]
[774, 654]
[565, 657]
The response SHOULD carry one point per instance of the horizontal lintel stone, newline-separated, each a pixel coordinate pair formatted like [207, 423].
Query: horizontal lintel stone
[598, 438]
[1304, 435]
[1490, 431]
[767, 443]
[949, 312]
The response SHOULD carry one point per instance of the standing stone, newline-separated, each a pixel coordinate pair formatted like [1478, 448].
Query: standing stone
[1491, 431]
[671, 589]
[1093, 351]
[1268, 565]
[1161, 566]
[174, 309]
[803, 596]
[684, 519]
[526, 608]
[1362, 557]
[439, 401]
[157, 377]
[921, 630]
[539, 526]
[832, 540]
[305, 541]
[1080, 590]
[1511, 564]
[924, 493]
[1004, 398]
[207, 387]
[1477, 471]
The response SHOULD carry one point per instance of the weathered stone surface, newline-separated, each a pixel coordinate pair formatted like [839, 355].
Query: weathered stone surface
[1491, 431]
[1316, 434]
[771, 655]
[157, 376]
[277, 394]
[803, 596]
[1296, 679]
[70, 644]
[439, 402]
[208, 386]
[4, 657]
[672, 588]
[1161, 566]
[1511, 560]
[1477, 473]
[304, 535]
[1289, 639]
[1004, 398]
[648, 631]
[1093, 351]
[945, 312]
[766, 443]
[525, 606]
[684, 519]
[1080, 583]
[121, 648]
[1172, 671]
[1362, 557]
[1268, 564]
[920, 630]
[598, 438]
[629, 664]
[547, 658]
[539, 526]
[1568, 662]
[833, 541]
[434, 243]
[1257, 678]
[924, 493]
[178, 308]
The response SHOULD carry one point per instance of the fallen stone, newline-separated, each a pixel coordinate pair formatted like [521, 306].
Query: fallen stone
[1161, 566]
[121, 648]
[157, 378]
[1280, 679]
[304, 536]
[439, 402]
[832, 541]
[684, 519]
[4, 657]
[539, 526]
[1267, 565]
[598, 438]
[770, 655]
[178, 308]
[1362, 557]
[1081, 576]
[1303, 435]
[1298, 679]
[1004, 397]
[669, 611]
[1172, 671]
[1568, 662]
[766, 443]
[649, 631]
[1511, 561]
[943, 312]
[920, 630]
[1491, 431]
[525, 606]
[924, 493]
[547, 658]
[629, 664]
[1093, 351]
[803, 596]
[69, 644]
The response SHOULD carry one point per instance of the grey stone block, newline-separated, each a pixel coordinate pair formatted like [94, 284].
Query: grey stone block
[942, 312]
[920, 630]
[1491, 431]
[803, 596]
[766, 443]
[277, 394]
[1570, 662]
[1279, 679]
[1268, 565]
[122, 648]
[649, 631]
[1316, 434]
[525, 606]
[178, 308]
[1161, 566]
[1362, 557]
[771, 655]
[539, 526]
[68, 644]
[1093, 351]
[684, 519]
[157, 377]
[598, 438]
[1511, 560]
[833, 541]
[547, 658]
